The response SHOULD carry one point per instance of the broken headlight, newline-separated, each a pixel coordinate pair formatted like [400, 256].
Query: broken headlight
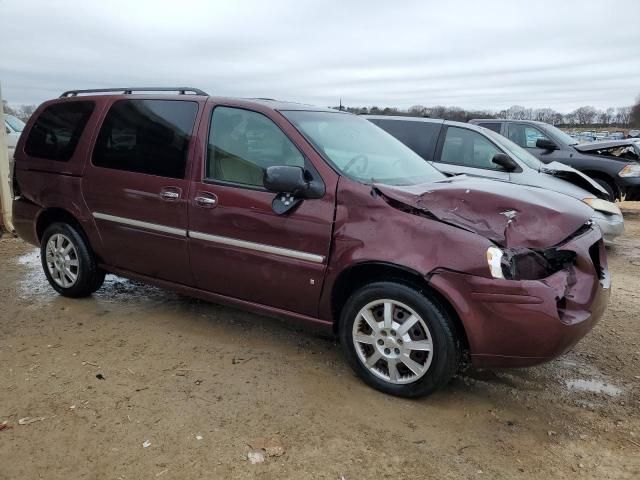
[494, 259]
[526, 263]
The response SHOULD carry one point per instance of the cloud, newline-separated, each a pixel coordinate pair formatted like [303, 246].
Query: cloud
[466, 53]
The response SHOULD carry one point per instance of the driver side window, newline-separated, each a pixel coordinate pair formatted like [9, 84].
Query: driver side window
[525, 135]
[242, 144]
[467, 148]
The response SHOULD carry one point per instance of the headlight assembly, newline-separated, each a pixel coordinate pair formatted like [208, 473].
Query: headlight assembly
[527, 264]
[603, 205]
[630, 170]
[494, 259]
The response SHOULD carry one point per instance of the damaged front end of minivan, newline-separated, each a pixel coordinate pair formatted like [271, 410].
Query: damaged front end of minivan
[546, 282]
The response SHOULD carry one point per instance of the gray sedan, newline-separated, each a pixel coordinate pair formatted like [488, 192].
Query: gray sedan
[461, 148]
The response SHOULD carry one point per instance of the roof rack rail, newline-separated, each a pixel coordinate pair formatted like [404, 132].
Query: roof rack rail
[130, 90]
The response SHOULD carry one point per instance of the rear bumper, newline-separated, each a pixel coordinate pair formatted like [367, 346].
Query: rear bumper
[25, 215]
[522, 323]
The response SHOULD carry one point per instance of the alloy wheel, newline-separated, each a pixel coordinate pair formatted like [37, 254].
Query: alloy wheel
[62, 260]
[392, 341]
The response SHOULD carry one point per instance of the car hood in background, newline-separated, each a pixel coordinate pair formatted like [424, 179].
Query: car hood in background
[508, 214]
[623, 150]
[595, 146]
[577, 178]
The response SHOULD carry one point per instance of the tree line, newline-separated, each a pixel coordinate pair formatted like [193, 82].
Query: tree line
[583, 116]
[23, 112]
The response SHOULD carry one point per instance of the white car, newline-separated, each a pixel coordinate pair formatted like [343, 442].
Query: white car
[13, 126]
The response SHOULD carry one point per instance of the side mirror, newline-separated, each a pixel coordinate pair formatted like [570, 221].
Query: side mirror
[505, 161]
[545, 144]
[292, 184]
[286, 179]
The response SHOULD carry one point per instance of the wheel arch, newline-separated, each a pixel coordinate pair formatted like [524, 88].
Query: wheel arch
[363, 273]
[53, 215]
[607, 178]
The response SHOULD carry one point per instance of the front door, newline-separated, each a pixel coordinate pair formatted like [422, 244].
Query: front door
[527, 135]
[137, 187]
[466, 151]
[239, 246]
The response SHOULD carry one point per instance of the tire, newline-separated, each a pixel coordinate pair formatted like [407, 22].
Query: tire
[433, 326]
[610, 189]
[68, 262]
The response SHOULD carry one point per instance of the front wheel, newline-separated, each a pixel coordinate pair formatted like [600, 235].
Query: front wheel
[68, 262]
[398, 340]
[610, 189]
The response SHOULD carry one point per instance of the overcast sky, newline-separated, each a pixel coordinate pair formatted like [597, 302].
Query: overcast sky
[472, 54]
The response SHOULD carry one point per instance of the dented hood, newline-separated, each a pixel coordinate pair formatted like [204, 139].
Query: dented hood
[510, 215]
[575, 177]
[597, 146]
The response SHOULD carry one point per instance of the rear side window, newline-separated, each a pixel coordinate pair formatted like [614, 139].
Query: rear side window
[146, 136]
[421, 137]
[491, 126]
[56, 132]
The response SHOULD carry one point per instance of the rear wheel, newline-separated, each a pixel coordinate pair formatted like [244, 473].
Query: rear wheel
[68, 262]
[398, 340]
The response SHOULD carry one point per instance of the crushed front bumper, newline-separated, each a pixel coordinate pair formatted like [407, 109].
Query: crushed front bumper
[511, 323]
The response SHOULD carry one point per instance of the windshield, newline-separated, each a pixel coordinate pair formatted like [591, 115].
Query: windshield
[514, 150]
[362, 151]
[15, 123]
[560, 135]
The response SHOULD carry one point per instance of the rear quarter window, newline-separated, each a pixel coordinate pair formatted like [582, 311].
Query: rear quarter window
[57, 130]
[421, 137]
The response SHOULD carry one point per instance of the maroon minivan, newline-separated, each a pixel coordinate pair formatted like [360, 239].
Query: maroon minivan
[313, 214]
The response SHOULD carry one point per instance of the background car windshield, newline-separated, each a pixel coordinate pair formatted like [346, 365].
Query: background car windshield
[362, 151]
[514, 150]
[15, 123]
[560, 135]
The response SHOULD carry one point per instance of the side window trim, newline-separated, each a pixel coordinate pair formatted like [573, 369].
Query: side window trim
[205, 158]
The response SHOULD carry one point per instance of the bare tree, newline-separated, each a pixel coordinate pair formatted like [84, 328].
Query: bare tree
[634, 120]
[437, 112]
[23, 112]
[544, 115]
[623, 115]
[585, 115]
[557, 118]
[26, 111]
[417, 110]
[606, 116]
[518, 112]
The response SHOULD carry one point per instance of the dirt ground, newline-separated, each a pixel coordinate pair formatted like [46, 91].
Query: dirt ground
[200, 383]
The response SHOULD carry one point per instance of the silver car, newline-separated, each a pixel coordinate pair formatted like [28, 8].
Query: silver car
[461, 148]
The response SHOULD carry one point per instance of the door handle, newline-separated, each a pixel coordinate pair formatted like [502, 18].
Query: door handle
[167, 195]
[208, 202]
